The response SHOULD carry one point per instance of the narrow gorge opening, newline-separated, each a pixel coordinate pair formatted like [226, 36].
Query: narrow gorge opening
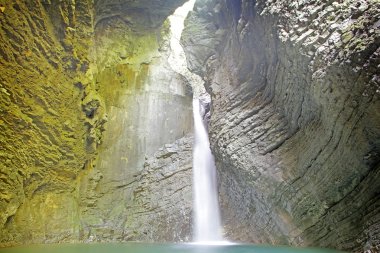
[98, 99]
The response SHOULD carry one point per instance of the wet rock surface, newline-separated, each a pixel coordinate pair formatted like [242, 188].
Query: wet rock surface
[153, 206]
[163, 195]
[295, 117]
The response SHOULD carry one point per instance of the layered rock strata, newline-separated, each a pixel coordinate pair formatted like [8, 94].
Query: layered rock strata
[154, 205]
[295, 117]
[162, 201]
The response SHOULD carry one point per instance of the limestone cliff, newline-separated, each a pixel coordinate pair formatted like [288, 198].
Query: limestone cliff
[295, 123]
[148, 105]
[68, 67]
[162, 200]
[45, 132]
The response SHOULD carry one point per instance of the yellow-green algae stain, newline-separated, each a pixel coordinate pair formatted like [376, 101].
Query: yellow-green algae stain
[56, 87]
[43, 130]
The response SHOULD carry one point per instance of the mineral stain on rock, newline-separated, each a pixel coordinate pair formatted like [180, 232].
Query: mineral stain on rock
[95, 124]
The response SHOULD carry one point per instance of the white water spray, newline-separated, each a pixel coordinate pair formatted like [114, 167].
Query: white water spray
[206, 208]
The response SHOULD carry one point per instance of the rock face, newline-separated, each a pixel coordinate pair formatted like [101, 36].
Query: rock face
[68, 67]
[139, 16]
[148, 104]
[295, 123]
[154, 205]
[162, 199]
[45, 137]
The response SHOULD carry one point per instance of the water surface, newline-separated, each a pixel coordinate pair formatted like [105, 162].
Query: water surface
[158, 248]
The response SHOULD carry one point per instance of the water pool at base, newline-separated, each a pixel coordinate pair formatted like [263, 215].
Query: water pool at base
[158, 248]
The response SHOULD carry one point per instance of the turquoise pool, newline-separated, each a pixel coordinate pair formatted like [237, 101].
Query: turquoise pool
[158, 248]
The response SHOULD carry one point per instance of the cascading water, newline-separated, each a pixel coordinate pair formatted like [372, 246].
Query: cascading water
[206, 208]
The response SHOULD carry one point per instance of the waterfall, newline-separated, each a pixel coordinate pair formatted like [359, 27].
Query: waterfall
[206, 208]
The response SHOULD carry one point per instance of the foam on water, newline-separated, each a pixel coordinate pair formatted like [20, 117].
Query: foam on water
[213, 243]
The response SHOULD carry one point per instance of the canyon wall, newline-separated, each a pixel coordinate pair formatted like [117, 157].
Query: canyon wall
[94, 121]
[295, 122]
[80, 80]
